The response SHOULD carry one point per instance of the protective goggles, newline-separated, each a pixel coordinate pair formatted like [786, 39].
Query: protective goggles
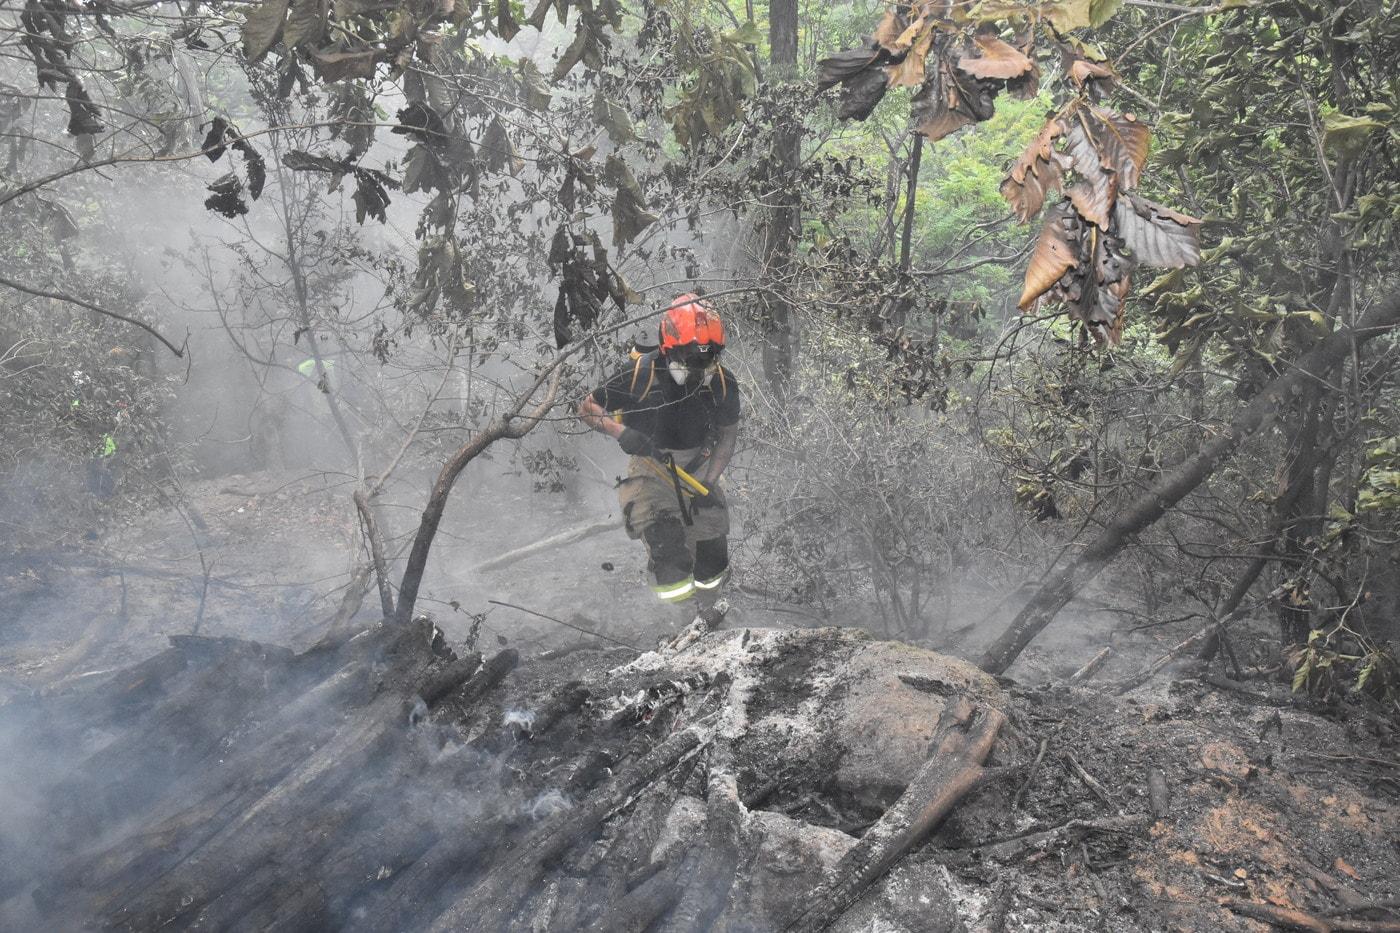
[695, 355]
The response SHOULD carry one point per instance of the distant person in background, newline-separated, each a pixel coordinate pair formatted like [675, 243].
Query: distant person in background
[102, 461]
[103, 465]
[675, 406]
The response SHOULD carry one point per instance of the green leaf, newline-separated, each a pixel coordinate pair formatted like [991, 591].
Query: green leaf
[1346, 136]
[1066, 15]
[746, 34]
[1101, 11]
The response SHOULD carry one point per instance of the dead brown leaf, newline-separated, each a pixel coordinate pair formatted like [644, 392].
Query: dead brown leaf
[910, 72]
[1081, 70]
[337, 66]
[1056, 252]
[891, 26]
[995, 59]
[1158, 236]
[1123, 141]
[1098, 188]
[1094, 201]
[1034, 174]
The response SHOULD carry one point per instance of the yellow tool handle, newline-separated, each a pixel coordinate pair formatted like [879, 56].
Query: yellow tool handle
[692, 482]
[696, 487]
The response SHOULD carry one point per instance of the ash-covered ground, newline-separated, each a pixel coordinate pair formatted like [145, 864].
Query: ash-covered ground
[270, 771]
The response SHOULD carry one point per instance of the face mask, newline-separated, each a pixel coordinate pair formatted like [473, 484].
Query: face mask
[685, 376]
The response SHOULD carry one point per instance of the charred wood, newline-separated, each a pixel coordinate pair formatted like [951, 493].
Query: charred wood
[491, 904]
[1066, 834]
[707, 886]
[1157, 794]
[1290, 918]
[641, 907]
[960, 744]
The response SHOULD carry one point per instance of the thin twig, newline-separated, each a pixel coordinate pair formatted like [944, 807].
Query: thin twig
[1030, 775]
[576, 628]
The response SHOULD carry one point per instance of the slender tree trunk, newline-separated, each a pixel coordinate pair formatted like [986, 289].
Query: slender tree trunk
[906, 241]
[779, 345]
[376, 551]
[1299, 518]
[508, 425]
[1177, 483]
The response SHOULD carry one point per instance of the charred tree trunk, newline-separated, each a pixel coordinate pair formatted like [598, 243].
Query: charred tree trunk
[508, 425]
[784, 222]
[1177, 483]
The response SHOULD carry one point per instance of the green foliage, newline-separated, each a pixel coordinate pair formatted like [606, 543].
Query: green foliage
[1380, 482]
[1288, 148]
[1338, 662]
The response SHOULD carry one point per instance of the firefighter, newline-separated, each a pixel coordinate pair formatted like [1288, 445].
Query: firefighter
[675, 407]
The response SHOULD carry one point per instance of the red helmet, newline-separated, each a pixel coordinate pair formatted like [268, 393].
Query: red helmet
[691, 322]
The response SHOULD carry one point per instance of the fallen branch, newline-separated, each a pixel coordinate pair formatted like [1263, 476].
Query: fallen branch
[1030, 775]
[1143, 675]
[569, 536]
[960, 744]
[1292, 919]
[1064, 834]
[1093, 664]
[1175, 484]
[1088, 779]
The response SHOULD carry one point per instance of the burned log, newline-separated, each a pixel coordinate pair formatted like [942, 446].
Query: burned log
[492, 903]
[641, 907]
[960, 745]
[379, 782]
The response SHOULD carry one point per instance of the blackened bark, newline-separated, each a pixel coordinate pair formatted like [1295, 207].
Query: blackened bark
[509, 425]
[779, 344]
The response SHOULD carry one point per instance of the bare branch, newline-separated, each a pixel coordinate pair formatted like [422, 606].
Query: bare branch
[41, 293]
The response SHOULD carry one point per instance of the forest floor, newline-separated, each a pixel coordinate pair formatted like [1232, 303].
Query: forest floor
[1269, 800]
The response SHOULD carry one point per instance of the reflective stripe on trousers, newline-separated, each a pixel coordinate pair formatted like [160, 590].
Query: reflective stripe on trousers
[675, 592]
[713, 583]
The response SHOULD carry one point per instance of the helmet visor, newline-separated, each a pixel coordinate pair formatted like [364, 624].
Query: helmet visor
[696, 355]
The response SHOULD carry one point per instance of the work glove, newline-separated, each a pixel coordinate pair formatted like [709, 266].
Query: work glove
[636, 443]
[707, 501]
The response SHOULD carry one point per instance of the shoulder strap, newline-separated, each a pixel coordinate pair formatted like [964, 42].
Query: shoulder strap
[647, 360]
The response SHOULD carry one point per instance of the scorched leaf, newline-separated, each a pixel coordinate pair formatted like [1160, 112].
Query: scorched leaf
[1056, 252]
[1035, 174]
[1158, 236]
